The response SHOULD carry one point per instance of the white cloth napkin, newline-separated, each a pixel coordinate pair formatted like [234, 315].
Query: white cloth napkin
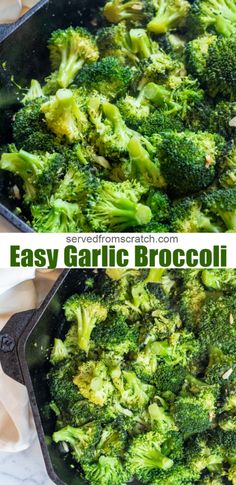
[20, 290]
[10, 10]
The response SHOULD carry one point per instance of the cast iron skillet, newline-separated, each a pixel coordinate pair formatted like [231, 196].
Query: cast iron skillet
[25, 344]
[24, 55]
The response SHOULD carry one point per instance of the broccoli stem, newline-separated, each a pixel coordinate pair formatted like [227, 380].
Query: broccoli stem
[140, 43]
[155, 275]
[24, 164]
[142, 166]
[68, 69]
[161, 97]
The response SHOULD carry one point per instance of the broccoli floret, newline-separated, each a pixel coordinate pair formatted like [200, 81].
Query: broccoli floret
[113, 41]
[62, 389]
[59, 351]
[146, 363]
[134, 393]
[188, 216]
[94, 383]
[64, 117]
[81, 440]
[27, 121]
[161, 68]
[177, 475]
[232, 474]
[115, 334]
[219, 74]
[69, 50]
[212, 479]
[219, 279]
[151, 452]
[108, 470]
[57, 215]
[142, 167]
[160, 121]
[222, 204]
[219, 15]
[75, 185]
[39, 172]
[134, 110]
[191, 299]
[188, 160]
[115, 206]
[86, 312]
[216, 326]
[170, 378]
[132, 11]
[220, 119]
[192, 415]
[159, 204]
[160, 418]
[169, 15]
[108, 76]
[35, 91]
[203, 454]
[196, 54]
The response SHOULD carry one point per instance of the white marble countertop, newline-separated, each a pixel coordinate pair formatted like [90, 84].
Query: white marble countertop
[26, 467]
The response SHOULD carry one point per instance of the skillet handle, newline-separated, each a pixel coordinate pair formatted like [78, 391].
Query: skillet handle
[9, 337]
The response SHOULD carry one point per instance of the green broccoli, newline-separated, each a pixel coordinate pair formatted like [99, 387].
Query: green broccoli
[219, 73]
[35, 91]
[108, 76]
[151, 452]
[203, 453]
[64, 117]
[131, 11]
[115, 334]
[57, 215]
[142, 167]
[40, 172]
[115, 206]
[188, 160]
[219, 279]
[69, 50]
[108, 470]
[196, 54]
[27, 121]
[81, 440]
[86, 312]
[94, 383]
[216, 326]
[188, 216]
[169, 15]
[217, 15]
[221, 203]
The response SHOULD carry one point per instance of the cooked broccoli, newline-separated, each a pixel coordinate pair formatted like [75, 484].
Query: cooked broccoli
[108, 76]
[35, 91]
[196, 54]
[35, 170]
[94, 383]
[108, 470]
[216, 326]
[80, 439]
[188, 216]
[60, 381]
[69, 50]
[188, 160]
[194, 414]
[64, 117]
[57, 215]
[86, 312]
[219, 279]
[116, 206]
[115, 334]
[204, 454]
[217, 15]
[133, 11]
[27, 121]
[169, 15]
[59, 351]
[219, 73]
[222, 204]
[151, 452]
[142, 167]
